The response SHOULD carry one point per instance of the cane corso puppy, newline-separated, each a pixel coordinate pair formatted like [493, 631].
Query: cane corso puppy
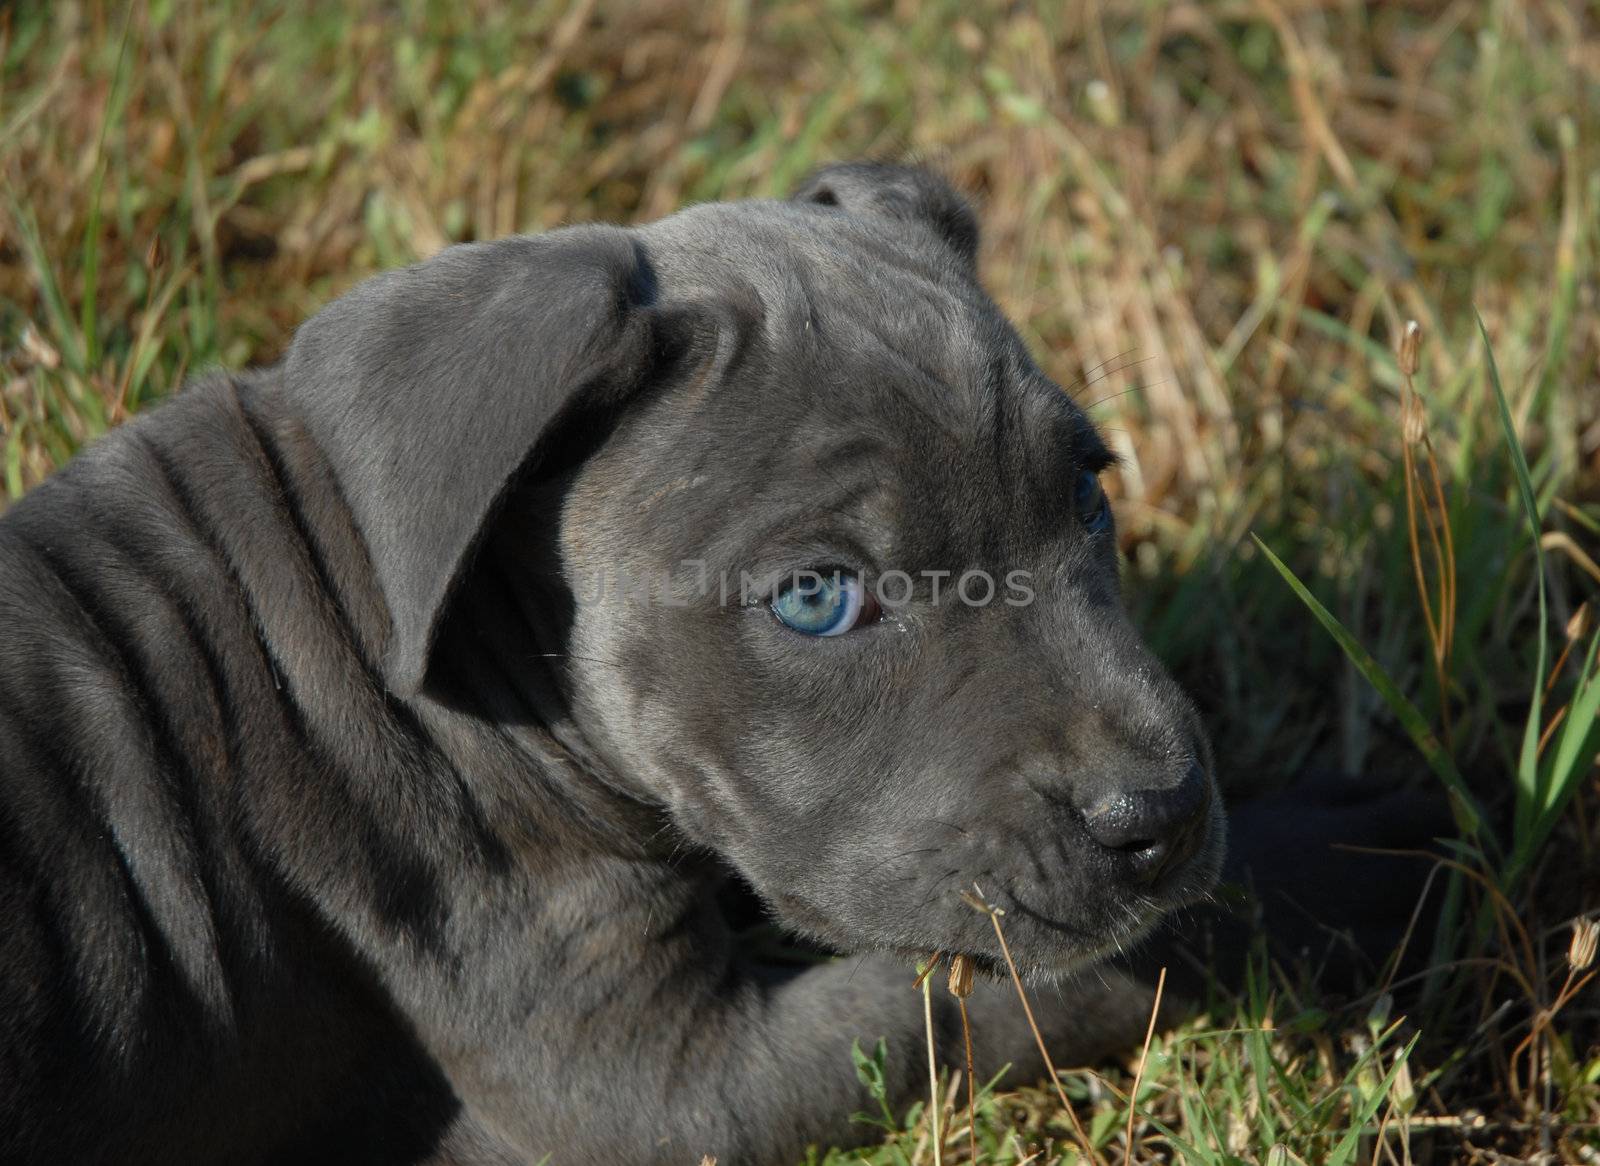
[377, 729]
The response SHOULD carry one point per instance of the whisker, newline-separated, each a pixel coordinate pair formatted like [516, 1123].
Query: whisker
[902, 854]
[1096, 372]
[580, 659]
[1113, 396]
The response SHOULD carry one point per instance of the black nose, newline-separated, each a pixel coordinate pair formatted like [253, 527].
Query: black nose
[1152, 830]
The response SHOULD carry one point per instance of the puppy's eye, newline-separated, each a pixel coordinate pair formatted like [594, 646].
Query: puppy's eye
[818, 604]
[1091, 503]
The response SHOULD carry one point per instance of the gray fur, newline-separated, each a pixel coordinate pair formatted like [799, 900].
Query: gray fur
[339, 824]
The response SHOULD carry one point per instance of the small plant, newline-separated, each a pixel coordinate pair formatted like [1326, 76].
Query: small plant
[1545, 780]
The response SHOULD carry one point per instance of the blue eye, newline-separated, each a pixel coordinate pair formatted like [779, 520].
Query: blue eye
[1090, 501]
[816, 604]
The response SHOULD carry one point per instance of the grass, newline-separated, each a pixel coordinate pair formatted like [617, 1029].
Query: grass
[1215, 220]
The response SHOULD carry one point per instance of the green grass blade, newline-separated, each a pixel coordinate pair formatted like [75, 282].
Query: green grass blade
[1566, 764]
[1345, 1151]
[62, 331]
[1582, 711]
[1529, 795]
[1462, 804]
[1192, 1153]
[88, 322]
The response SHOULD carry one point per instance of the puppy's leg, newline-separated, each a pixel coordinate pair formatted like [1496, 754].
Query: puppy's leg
[636, 1041]
[792, 1071]
[751, 1066]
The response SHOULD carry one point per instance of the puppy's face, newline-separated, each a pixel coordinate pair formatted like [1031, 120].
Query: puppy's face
[847, 607]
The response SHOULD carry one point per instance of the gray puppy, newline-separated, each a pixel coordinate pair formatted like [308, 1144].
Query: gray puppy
[349, 815]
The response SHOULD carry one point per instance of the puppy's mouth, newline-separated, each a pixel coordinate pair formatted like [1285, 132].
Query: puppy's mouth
[1038, 945]
[1029, 963]
[1088, 948]
[1047, 923]
[1043, 896]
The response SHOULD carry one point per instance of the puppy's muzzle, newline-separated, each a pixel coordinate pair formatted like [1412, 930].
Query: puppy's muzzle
[1145, 833]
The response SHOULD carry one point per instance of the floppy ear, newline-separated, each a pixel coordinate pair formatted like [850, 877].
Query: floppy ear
[428, 389]
[908, 193]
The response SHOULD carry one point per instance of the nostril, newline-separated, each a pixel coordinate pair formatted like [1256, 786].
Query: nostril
[1152, 828]
[1146, 860]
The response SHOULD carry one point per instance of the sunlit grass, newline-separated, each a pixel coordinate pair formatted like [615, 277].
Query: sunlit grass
[1212, 220]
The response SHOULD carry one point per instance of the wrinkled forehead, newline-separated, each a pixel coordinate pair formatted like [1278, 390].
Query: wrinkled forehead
[859, 284]
[889, 400]
[879, 305]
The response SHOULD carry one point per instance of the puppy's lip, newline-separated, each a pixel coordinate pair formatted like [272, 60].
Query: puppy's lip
[1071, 948]
[1030, 964]
[1093, 944]
[1194, 878]
[1182, 887]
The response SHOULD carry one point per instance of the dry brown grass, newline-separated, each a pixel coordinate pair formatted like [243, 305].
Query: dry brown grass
[1211, 219]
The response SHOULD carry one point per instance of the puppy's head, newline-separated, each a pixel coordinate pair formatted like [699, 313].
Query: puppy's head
[822, 555]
